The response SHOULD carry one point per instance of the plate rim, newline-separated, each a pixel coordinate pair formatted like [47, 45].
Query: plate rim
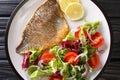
[111, 37]
[15, 12]
[6, 36]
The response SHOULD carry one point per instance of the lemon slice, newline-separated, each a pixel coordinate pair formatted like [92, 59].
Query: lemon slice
[74, 11]
[65, 3]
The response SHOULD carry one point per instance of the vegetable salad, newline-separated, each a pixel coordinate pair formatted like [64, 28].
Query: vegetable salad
[73, 59]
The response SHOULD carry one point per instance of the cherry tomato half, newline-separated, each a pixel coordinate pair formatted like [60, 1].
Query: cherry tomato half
[47, 57]
[98, 40]
[70, 57]
[94, 61]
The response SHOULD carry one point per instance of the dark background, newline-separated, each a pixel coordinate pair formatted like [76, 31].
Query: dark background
[112, 10]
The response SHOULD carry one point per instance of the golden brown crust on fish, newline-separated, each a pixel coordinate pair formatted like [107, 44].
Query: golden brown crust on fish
[46, 28]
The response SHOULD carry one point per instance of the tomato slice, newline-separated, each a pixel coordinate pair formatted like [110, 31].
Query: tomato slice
[70, 57]
[94, 61]
[76, 34]
[56, 76]
[98, 40]
[47, 57]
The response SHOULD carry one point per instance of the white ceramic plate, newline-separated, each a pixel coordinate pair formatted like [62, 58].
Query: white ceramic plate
[22, 15]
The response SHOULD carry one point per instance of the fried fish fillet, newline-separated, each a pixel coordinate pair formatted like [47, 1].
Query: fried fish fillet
[46, 28]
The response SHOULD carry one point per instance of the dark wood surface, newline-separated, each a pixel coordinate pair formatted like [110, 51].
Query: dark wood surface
[112, 9]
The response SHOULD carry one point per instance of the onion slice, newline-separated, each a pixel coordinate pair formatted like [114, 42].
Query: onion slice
[89, 36]
[40, 63]
[100, 51]
[78, 68]
[86, 70]
[44, 71]
[38, 68]
[82, 54]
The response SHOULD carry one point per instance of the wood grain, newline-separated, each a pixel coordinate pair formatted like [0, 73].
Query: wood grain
[112, 9]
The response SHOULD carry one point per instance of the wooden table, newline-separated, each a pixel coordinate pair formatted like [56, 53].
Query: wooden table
[112, 9]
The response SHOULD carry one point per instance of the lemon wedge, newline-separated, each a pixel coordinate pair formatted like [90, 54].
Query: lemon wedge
[65, 3]
[74, 11]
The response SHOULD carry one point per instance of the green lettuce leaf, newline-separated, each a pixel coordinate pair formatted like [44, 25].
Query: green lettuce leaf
[92, 27]
[53, 65]
[91, 50]
[34, 55]
[31, 69]
[70, 36]
[54, 49]
[79, 76]
[85, 50]
[62, 52]
[56, 65]
[34, 72]
[82, 60]
[37, 74]
[65, 72]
